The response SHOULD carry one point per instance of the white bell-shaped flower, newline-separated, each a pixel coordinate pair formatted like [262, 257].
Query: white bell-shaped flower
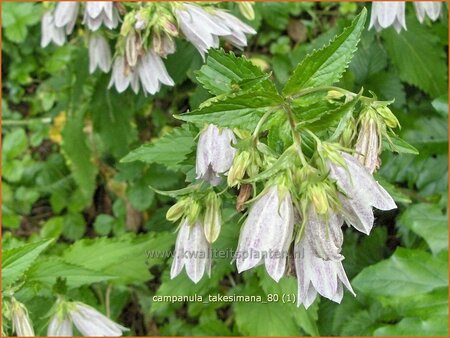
[66, 13]
[362, 193]
[200, 28]
[21, 322]
[267, 233]
[388, 13]
[51, 33]
[123, 76]
[60, 326]
[316, 275]
[152, 73]
[92, 323]
[192, 251]
[99, 54]
[432, 9]
[238, 29]
[215, 153]
[98, 13]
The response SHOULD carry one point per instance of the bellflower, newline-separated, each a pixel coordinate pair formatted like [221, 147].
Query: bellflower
[192, 251]
[200, 28]
[267, 233]
[123, 76]
[99, 13]
[60, 326]
[66, 13]
[20, 320]
[237, 27]
[215, 153]
[368, 145]
[324, 235]
[432, 9]
[152, 73]
[316, 275]
[90, 322]
[388, 13]
[99, 54]
[51, 33]
[362, 193]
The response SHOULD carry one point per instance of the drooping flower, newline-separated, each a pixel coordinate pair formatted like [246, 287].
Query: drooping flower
[152, 73]
[324, 234]
[123, 76]
[388, 13]
[20, 320]
[99, 54]
[60, 326]
[51, 33]
[215, 153]
[163, 45]
[238, 29]
[192, 251]
[90, 322]
[66, 13]
[267, 233]
[316, 275]
[368, 145]
[200, 28]
[361, 191]
[432, 9]
[99, 13]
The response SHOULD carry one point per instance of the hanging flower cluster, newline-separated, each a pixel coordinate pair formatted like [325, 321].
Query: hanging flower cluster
[304, 201]
[392, 13]
[147, 35]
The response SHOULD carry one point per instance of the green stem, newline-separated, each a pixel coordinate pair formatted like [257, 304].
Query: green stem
[295, 134]
[307, 91]
[46, 120]
[260, 124]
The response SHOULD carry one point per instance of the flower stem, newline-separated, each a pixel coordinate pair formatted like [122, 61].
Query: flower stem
[295, 134]
[45, 120]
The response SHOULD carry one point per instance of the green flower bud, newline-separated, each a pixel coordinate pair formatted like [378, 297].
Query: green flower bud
[389, 118]
[238, 168]
[334, 95]
[246, 9]
[177, 210]
[193, 211]
[319, 198]
[213, 218]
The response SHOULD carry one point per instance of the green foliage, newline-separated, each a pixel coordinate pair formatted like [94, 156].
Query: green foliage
[418, 60]
[325, 66]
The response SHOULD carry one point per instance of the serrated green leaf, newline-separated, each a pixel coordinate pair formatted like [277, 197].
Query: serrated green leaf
[17, 260]
[124, 257]
[326, 66]
[429, 222]
[242, 110]
[418, 59]
[170, 150]
[223, 70]
[416, 272]
[48, 270]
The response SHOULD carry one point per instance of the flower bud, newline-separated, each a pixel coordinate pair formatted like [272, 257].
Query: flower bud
[20, 319]
[131, 49]
[193, 211]
[238, 168]
[177, 210]
[127, 24]
[246, 9]
[162, 44]
[368, 144]
[319, 199]
[213, 221]
[347, 135]
[334, 95]
[389, 118]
